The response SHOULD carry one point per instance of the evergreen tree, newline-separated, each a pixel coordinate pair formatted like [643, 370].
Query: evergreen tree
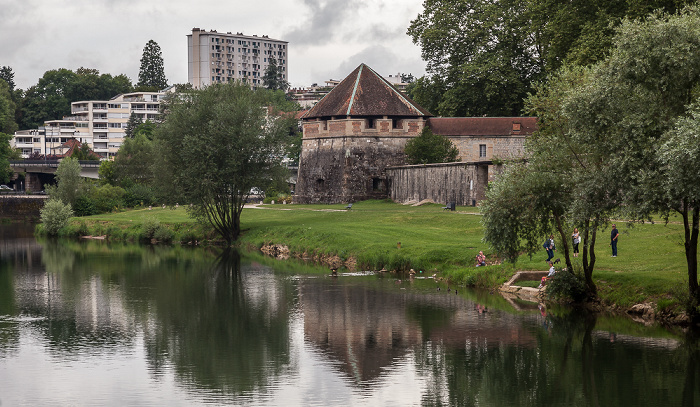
[273, 77]
[152, 73]
[131, 125]
[8, 76]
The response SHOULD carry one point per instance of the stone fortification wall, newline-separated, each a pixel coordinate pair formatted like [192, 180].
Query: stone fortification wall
[500, 147]
[21, 207]
[344, 160]
[462, 183]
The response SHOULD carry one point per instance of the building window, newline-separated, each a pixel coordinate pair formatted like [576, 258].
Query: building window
[482, 150]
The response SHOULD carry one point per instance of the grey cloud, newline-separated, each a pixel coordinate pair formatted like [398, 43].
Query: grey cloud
[378, 57]
[325, 21]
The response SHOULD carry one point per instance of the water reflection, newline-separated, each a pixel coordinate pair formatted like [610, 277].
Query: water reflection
[113, 324]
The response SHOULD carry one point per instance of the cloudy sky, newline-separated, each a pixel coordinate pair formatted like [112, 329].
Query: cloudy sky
[327, 38]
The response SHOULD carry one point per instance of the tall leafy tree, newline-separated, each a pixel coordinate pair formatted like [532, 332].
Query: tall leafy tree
[152, 71]
[69, 185]
[215, 145]
[51, 97]
[483, 56]
[6, 154]
[7, 110]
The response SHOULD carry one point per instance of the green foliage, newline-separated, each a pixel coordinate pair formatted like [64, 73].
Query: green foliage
[430, 148]
[69, 183]
[51, 97]
[107, 173]
[6, 154]
[107, 198]
[134, 121]
[84, 153]
[483, 56]
[55, 215]
[85, 206]
[566, 286]
[152, 72]
[7, 109]
[139, 195]
[272, 79]
[133, 164]
[215, 145]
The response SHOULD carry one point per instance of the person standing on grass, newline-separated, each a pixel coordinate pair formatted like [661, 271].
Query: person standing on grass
[576, 238]
[549, 246]
[613, 240]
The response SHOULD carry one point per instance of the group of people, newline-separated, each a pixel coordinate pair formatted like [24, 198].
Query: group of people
[550, 247]
[576, 240]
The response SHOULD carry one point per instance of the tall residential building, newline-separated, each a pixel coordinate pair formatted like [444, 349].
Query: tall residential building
[99, 123]
[214, 58]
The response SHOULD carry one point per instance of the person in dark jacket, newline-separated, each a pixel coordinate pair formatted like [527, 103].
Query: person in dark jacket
[549, 246]
[613, 240]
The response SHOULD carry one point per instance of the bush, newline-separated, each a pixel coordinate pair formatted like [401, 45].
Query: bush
[150, 226]
[566, 285]
[55, 215]
[163, 234]
[139, 195]
[84, 206]
[107, 198]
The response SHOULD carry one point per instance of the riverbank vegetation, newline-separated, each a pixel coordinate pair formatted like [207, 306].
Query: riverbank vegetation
[376, 235]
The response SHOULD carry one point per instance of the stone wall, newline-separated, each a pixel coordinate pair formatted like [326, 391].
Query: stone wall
[344, 160]
[462, 183]
[497, 147]
[21, 207]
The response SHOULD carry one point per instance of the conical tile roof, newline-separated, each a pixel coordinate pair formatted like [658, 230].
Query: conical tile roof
[365, 93]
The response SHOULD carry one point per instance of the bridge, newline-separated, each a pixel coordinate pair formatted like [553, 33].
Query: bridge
[34, 169]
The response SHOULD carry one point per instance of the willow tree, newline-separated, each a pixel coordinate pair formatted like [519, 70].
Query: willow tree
[215, 145]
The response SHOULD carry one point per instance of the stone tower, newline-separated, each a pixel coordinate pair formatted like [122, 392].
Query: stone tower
[350, 137]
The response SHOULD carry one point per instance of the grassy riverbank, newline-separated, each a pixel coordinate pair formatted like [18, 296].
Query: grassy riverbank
[650, 265]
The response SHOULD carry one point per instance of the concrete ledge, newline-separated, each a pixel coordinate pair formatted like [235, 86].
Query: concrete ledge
[523, 293]
[526, 276]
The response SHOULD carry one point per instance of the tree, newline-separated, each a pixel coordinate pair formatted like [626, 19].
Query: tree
[152, 72]
[430, 148]
[680, 187]
[7, 110]
[55, 215]
[483, 56]
[134, 121]
[8, 76]
[273, 76]
[601, 140]
[6, 154]
[215, 145]
[69, 183]
[52, 96]
[133, 164]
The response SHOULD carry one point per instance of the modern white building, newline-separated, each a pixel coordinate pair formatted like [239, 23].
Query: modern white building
[214, 57]
[100, 124]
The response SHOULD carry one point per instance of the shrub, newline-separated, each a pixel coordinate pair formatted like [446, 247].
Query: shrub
[107, 197]
[55, 215]
[163, 234]
[139, 195]
[566, 285]
[84, 206]
[150, 226]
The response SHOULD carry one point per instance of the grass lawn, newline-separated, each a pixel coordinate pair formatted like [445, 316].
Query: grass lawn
[650, 263]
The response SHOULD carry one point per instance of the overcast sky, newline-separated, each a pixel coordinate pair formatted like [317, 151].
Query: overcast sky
[327, 38]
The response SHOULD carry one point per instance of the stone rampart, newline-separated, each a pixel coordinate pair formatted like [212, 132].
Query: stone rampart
[462, 183]
[24, 207]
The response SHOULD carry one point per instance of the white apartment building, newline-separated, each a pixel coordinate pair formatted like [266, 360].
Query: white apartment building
[214, 58]
[100, 124]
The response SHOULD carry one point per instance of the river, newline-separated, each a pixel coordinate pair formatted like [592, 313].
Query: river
[98, 323]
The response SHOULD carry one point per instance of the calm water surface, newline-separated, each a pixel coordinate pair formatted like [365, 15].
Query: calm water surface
[93, 323]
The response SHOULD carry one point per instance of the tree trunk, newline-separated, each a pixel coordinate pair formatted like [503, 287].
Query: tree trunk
[589, 236]
[691, 248]
[565, 242]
